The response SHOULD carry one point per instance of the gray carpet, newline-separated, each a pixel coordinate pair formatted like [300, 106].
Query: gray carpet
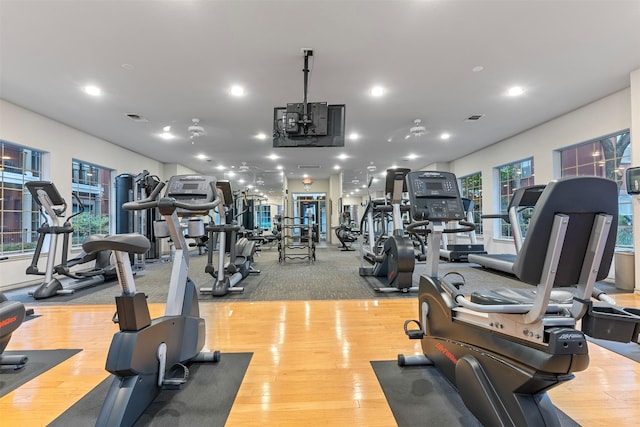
[422, 396]
[205, 400]
[333, 276]
[39, 362]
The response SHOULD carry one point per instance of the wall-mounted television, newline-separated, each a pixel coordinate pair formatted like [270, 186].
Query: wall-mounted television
[323, 127]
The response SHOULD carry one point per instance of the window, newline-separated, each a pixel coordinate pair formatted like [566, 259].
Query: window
[471, 188]
[263, 217]
[512, 176]
[608, 157]
[20, 216]
[91, 188]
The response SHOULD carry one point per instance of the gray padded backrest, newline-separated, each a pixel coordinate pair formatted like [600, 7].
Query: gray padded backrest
[581, 198]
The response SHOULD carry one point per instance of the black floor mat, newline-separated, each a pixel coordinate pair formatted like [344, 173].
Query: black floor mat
[630, 349]
[206, 398]
[421, 396]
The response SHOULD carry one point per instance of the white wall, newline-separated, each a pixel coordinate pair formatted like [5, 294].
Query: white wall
[63, 144]
[605, 116]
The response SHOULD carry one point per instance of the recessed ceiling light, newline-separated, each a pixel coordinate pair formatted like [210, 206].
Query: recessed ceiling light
[236, 90]
[412, 157]
[92, 90]
[231, 174]
[167, 135]
[166, 128]
[445, 136]
[241, 181]
[273, 156]
[128, 67]
[220, 167]
[377, 91]
[353, 136]
[336, 167]
[515, 91]
[279, 167]
[261, 136]
[343, 156]
[201, 156]
[477, 68]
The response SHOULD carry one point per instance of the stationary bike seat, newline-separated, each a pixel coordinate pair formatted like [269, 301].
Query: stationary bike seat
[133, 243]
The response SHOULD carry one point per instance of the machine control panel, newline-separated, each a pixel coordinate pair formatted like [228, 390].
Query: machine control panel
[434, 196]
[191, 187]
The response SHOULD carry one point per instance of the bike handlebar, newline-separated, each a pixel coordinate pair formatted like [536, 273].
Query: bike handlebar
[465, 227]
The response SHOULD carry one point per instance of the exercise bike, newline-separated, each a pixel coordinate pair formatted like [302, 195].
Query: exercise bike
[54, 206]
[503, 349]
[241, 251]
[147, 355]
[345, 235]
[12, 314]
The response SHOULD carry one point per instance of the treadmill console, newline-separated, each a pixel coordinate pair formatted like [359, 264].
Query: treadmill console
[191, 188]
[633, 181]
[434, 196]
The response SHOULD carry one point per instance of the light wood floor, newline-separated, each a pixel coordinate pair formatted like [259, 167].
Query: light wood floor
[310, 365]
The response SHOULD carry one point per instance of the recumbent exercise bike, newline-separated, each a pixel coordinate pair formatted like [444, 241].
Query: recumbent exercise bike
[503, 349]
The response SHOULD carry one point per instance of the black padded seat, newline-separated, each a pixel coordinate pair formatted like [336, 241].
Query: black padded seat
[133, 243]
[581, 199]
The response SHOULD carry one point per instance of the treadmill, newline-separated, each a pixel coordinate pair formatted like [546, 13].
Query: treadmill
[461, 251]
[522, 199]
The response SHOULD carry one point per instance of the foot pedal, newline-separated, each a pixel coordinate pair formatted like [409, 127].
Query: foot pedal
[413, 334]
[177, 376]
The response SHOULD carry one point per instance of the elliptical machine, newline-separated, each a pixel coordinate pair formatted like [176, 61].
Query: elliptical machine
[147, 355]
[395, 258]
[53, 204]
[505, 348]
[241, 251]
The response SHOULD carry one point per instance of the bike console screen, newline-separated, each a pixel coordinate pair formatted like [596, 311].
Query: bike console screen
[193, 189]
[434, 196]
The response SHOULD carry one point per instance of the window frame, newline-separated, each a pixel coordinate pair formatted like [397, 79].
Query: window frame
[15, 173]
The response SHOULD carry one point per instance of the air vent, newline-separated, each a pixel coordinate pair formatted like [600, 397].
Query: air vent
[308, 166]
[474, 117]
[137, 117]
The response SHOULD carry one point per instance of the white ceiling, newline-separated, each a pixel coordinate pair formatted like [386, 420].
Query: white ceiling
[182, 56]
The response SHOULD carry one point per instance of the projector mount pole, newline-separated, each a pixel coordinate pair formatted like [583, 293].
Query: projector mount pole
[305, 70]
